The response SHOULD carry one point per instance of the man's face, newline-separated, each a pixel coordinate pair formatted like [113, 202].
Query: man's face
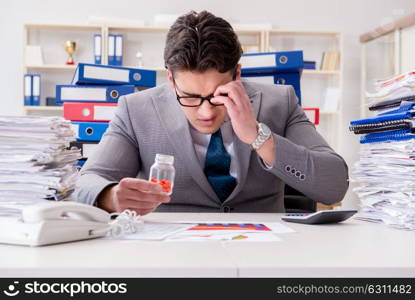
[205, 118]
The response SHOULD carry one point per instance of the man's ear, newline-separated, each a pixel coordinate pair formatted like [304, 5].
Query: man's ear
[170, 79]
[238, 72]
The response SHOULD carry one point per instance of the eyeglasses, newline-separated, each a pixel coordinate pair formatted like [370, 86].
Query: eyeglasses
[191, 100]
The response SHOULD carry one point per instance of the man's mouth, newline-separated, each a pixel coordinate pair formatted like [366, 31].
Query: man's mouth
[206, 122]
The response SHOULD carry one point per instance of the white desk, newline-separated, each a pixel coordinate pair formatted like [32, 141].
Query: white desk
[354, 248]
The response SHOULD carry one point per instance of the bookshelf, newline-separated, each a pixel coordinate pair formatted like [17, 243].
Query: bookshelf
[314, 82]
[149, 40]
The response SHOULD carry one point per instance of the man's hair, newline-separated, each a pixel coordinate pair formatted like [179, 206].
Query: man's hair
[201, 41]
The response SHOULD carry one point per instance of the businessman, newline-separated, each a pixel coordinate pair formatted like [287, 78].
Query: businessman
[236, 144]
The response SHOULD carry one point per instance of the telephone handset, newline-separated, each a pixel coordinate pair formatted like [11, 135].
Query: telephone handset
[64, 210]
[52, 222]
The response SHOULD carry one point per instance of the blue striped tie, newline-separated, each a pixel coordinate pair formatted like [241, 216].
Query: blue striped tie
[217, 166]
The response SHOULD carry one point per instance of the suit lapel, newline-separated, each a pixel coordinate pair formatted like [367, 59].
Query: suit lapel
[177, 127]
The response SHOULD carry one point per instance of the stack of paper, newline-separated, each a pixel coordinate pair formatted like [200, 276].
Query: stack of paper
[397, 87]
[386, 169]
[35, 163]
[386, 174]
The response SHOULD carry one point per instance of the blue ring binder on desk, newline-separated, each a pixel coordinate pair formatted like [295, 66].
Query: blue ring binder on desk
[107, 75]
[90, 131]
[91, 93]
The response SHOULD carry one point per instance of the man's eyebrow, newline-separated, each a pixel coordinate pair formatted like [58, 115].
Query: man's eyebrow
[191, 94]
[194, 95]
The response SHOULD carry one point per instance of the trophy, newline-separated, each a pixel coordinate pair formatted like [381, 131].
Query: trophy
[70, 48]
[139, 56]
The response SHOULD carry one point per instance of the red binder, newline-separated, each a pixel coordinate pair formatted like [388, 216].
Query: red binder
[313, 114]
[96, 112]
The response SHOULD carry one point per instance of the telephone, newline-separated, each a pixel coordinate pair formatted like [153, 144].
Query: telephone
[53, 222]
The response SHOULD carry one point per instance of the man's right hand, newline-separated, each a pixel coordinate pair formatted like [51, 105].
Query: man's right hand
[135, 194]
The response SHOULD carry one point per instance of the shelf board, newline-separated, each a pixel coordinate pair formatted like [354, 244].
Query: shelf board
[51, 67]
[319, 72]
[63, 27]
[69, 67]
[154, 29]
[327, 112]
[303, 32]
[157, 69]
[43, 108]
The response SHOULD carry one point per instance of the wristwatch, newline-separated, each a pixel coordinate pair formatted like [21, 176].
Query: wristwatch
[264, 133]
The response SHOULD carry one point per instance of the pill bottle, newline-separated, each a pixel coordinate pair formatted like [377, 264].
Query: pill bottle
[162, 172]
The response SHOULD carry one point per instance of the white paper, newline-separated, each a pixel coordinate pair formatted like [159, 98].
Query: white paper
[331, 99]
[232, 236]
[155, 231]
[276, 227]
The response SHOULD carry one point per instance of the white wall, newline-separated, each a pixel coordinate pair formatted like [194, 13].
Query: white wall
[352, 17]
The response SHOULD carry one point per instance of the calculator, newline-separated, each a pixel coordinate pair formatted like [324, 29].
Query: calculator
[319, 217]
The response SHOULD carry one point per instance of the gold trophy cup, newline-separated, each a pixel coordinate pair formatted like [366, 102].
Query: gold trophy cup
[70, 48]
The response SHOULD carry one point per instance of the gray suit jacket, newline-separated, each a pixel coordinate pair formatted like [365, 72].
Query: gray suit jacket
[151, 121]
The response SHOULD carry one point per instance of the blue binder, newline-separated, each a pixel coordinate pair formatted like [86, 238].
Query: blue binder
[113, 75]
[90, 131]
[97, 49]
[36, 89]
[28, 90]
[380, 137]
[401, 118]
[111, 49]
[384, 118]
[292, 78]
[118, 49]
[91, 93]
[404, 108]
[272, 62]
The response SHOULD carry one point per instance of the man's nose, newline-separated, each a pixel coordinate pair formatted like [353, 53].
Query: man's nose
[206, 109]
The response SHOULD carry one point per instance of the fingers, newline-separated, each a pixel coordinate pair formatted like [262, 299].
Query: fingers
[135, 195]
[229, 104]
[226, 89]
[139, 195]
[235, 91]
[140, 185]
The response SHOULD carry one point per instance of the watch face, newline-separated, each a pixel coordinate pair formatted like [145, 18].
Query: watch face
[264, 129]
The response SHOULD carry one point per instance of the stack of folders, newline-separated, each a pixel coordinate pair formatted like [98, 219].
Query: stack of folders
[35, 162]
[91, 100]
[386, 169]
[274, 68]
[115, 49]
[31, 89]
[277, 68]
